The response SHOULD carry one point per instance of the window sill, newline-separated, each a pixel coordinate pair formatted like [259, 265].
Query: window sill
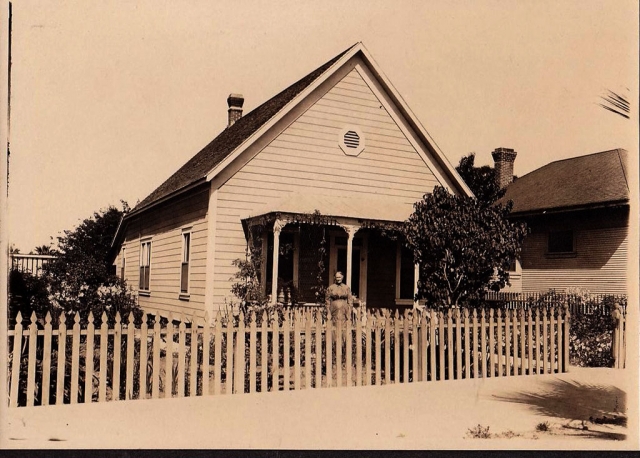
[404, 301]
[184, 296]
[570, 254]
[144, 293]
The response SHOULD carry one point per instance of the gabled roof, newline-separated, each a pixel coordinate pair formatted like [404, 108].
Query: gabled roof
[595, 180]
[197, 168]
[212, 157]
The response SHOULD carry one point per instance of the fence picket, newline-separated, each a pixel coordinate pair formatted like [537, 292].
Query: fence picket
[88, 375]
[286, 336]
[117, 356]
[144, 357]
[507, 343]
[473, 344]
[396, 348]
[441, 346]
[318, 341]
[349, 349]
[104, 344]
[307, 348]
[75, 359]
[193, 358]
[377, 352]
[449, 325]
[387, 348]
[229, 369]
[483, 338]
[238, 380]
[537, 338]
[275, 343]
[458, 338]
[492, 344]
[359, 347]
[31, 364]
[17, 359]
[130, 348]
[368, 350]
[181, 356]
[405, 346]
[431, 331]
[297, 338]
[552, 339]
[155, 388]
[252, 352]
[264, 353]
[567, 315]
[465, 345]
[328, 353]
[46, 360]
[338, 343]
[545, 337]
[217, 354]
[308, 364]
[168, 368]
[521, 335]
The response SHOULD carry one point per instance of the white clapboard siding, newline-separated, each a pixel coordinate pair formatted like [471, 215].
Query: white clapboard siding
[165, 228]
[306, 157]
[600, 264]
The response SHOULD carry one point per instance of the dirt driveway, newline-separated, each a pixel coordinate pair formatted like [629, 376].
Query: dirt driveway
[431, 415]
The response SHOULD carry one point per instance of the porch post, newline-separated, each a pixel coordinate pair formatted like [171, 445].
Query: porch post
[351, 232]
[277, 228]
[416, 274]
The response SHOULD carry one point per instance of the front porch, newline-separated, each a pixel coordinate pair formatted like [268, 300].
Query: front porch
[301, 252]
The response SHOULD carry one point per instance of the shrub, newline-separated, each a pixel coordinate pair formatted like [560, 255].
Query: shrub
[479, 432]
[543, 427]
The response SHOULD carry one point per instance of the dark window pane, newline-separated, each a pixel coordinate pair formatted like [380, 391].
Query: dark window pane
[561, 242]
[407, 273]
[184, 278]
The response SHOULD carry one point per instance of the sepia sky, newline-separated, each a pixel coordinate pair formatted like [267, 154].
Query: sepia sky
[109, 98]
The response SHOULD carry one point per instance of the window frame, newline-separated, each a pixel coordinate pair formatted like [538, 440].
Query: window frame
[186, 252]
[403, 300]
[564, 253]
[144, 284]
[123, 262]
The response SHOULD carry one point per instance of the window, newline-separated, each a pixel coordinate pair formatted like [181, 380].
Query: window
[123, 263]
[145, 264]
[561, 242]
[186, 256]
[407, 275]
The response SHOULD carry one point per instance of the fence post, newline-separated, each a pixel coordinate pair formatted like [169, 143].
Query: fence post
[253, 354]
[75, 359]
[193, 360]
[46, 362]
[104, 336]
[17, 359]
[88, 374]
[31, 362]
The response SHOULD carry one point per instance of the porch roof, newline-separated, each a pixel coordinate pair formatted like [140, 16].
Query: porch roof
[373, 208]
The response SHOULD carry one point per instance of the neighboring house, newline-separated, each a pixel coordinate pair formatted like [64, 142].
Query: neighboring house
[340, 141]
[578, 212]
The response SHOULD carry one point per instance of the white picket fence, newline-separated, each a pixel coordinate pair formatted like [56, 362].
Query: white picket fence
[298, 350]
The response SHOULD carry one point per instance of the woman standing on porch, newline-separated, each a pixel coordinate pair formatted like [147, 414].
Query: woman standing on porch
[339, 300]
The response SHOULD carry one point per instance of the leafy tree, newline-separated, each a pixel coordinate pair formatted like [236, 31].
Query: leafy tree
[481, 180]
[80, 278]
[462, 247]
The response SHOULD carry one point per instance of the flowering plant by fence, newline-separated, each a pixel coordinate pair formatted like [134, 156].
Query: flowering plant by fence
[128, 359]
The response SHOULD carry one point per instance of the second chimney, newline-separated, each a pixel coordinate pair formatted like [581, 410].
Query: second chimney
[504, 158]
[235, 102]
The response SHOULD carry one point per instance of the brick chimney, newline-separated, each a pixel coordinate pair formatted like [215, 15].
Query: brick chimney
[503, 158]
[235, 102]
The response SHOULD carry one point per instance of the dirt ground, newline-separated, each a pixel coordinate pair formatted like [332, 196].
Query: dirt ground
[583, 409]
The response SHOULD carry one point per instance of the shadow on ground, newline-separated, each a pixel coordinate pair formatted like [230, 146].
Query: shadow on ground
[572, 401]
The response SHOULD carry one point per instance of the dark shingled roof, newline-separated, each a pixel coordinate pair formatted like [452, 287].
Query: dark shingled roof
[580, 182]
[197, 168]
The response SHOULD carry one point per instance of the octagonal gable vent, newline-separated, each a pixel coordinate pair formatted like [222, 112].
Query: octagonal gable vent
[351, 141]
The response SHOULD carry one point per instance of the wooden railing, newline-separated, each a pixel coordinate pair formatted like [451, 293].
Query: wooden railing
[95, 362]
[595, 303]
[31, 263]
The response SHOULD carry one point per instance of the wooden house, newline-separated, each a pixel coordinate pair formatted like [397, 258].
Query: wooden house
[338, 151]
[578, 212]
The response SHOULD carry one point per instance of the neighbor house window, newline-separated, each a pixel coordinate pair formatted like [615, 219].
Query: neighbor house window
[561, 242]
[123, 262]
[186, 256]
[145, 264]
